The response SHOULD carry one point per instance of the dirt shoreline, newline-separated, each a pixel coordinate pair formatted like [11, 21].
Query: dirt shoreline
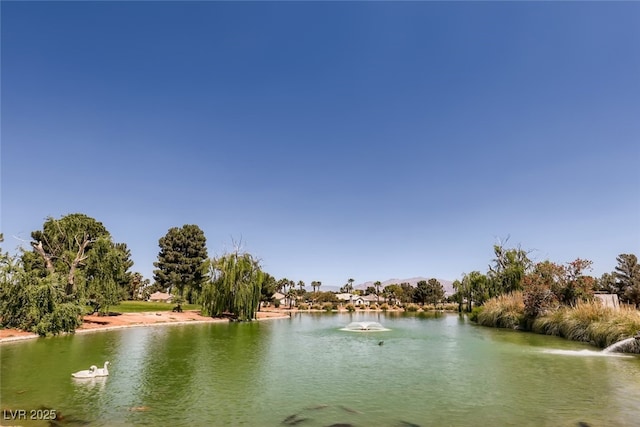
[95, 323]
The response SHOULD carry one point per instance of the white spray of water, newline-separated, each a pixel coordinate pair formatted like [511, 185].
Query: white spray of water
[584, 353]
[611, 351]
[619, 345]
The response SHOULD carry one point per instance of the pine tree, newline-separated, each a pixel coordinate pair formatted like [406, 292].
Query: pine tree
[182, 261]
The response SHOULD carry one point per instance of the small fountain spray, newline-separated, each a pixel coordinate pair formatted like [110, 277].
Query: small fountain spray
[364, 327]
[623, 343]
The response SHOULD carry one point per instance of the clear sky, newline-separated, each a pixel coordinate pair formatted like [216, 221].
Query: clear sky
[337, 140]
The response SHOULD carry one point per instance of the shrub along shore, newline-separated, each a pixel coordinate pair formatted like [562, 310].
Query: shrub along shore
[587, 321]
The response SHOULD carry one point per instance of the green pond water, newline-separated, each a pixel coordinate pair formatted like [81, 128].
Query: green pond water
[430, 371]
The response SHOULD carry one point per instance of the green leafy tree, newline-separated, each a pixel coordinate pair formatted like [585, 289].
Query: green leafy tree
[14, 299]
[61, 273]
[607, 283]
[480, 287]
[576, 285]
[435, 292]
[370, 290]
[138, 287]
[33, 303]
[508, 269]
[182, 261]
[421, 292]
[475, 289]
[326, 297]
[627, 275]
[458, 296]
[124, 276]
[106, 271]
[267, 289]
[393, 292]
[406, 295]
[62, 247]
[234, 287]
[466, 291]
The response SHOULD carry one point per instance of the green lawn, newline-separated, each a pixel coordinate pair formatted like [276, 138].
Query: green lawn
[141, 306]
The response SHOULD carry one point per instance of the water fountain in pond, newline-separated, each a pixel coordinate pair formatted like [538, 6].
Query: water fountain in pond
[625, 344]
[585, 353]
[364, 327]
[616, 349]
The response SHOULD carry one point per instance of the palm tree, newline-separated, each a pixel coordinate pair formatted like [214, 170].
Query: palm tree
[301, 286]
[315, 285]
[290, 293]
[281, 285]
[377, 285]
[350, 281]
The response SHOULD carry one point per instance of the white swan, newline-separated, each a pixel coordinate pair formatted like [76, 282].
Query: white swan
[102, 372]
[87, 373]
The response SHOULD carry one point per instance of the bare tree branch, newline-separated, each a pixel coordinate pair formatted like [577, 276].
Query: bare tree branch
[80, 256]
[37, 246]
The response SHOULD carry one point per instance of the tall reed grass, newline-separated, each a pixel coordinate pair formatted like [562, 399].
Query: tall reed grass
[590, 322]
[504, 311]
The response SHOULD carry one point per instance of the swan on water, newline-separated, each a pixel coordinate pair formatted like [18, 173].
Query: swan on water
[102, 372]
[87, 373]
[92, 372]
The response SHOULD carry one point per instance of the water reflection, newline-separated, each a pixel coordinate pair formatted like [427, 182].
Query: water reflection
[432, 370]
[85, 387]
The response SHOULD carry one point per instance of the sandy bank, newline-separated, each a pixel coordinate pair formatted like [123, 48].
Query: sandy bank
[96, 323]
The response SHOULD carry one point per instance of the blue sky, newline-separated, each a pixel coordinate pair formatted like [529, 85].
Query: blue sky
[369, 140]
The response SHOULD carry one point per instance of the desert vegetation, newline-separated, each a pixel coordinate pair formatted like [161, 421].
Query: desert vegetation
[555, 299]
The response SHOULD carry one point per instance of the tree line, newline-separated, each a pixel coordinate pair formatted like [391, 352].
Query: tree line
[73, 264]
[546, 285]
[74, 267]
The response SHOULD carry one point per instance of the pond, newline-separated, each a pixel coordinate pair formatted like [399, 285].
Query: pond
[308, 371]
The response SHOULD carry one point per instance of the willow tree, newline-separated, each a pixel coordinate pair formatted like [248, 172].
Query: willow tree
[234, 287]
[106, 269]
[33, 303]
[508, 269]
[72, 260]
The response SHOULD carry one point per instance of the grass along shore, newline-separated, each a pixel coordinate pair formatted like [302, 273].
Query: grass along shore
[147, 306]
[588, 322]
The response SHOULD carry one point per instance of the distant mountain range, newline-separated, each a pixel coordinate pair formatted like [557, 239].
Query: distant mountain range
[447, 285]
